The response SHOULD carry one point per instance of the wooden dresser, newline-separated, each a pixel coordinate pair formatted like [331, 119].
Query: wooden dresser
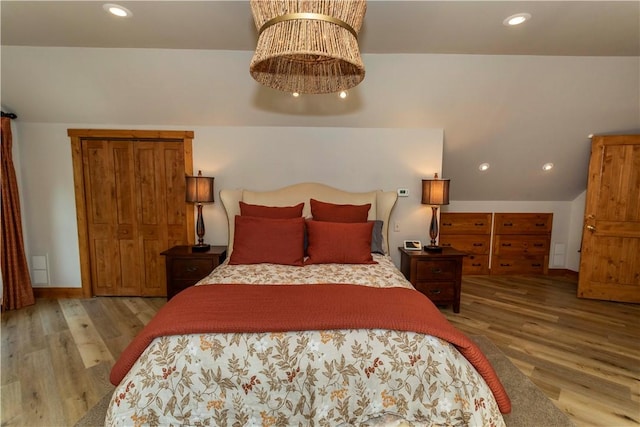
[521, 243]
[470, 233]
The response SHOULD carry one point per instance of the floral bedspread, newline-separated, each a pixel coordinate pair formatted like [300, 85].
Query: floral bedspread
[304, 378]
[384, 274]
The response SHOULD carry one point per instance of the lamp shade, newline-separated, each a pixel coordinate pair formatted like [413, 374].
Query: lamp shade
[199, 189]
[308, 46]
[435, 191]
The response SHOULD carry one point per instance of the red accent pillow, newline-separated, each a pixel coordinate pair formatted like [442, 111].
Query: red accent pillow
[339, 242]
[268, 240]
[271, 211]
[331, 212]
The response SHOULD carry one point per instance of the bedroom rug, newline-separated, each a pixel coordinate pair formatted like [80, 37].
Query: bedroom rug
[530, 407]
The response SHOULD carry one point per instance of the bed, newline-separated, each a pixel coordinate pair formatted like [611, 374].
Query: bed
[307, 322]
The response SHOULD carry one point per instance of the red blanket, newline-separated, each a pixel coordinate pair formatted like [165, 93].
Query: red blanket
[280, 308]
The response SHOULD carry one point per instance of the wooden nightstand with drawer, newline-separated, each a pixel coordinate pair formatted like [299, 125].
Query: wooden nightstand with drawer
[185, 268]
[438, 275]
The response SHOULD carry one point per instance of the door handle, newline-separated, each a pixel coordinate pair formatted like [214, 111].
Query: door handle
[591, 228]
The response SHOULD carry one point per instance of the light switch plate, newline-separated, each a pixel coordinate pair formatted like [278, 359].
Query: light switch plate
[403, 192]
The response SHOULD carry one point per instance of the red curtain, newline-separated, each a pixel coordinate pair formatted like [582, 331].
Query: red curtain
[16, 282]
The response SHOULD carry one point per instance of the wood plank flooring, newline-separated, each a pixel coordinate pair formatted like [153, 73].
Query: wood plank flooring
[584, 354]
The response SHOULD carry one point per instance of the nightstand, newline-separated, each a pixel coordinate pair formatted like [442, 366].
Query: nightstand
[438, 275]
[185, 268]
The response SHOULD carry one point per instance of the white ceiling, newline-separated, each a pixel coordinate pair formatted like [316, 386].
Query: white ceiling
[480, 121]
[584, 28]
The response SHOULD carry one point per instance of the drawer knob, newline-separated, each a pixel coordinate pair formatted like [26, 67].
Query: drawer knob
[508, 224]
[478, 244]
[436, 270]
[435, 291]
[506, 244]
[192, 269]
[479, 224]
[505, 265]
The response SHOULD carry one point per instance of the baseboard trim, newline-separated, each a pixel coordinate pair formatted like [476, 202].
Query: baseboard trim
[55, 293]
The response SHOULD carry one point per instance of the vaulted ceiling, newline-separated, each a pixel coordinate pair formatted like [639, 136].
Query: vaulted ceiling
[587, 39]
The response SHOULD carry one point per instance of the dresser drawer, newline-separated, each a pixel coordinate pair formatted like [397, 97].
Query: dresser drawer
[465, 223]
[517, 265]
[436, 292]
[435, 270]
[190, 268]
[475, 264]
[533, 244]
[474, 244]
[523, 223]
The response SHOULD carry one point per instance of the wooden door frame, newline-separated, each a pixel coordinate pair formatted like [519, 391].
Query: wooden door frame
[76, 136]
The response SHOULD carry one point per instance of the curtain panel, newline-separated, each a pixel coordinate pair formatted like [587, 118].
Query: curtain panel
[17, 291]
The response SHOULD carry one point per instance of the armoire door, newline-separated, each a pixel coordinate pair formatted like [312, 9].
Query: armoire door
[610, 256]
[132, 208]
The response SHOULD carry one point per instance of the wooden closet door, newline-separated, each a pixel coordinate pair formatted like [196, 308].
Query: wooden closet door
[160, 190]
[610, 258]
[134, 192]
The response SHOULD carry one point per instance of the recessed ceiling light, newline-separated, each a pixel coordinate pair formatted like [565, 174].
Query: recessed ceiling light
[343, 94]
[516, 19]
[483, 166]
[295, 94]
[547, 166]
[117, 10]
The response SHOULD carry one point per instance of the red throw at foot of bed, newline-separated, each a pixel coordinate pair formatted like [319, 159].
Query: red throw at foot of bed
[280, 308]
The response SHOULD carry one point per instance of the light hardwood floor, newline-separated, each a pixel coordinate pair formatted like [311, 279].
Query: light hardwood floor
[584, 354]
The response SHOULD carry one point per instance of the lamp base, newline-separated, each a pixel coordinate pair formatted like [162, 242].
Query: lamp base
[432, 248]
[201, 247]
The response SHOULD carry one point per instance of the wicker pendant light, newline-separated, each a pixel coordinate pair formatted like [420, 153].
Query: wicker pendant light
[308, 46]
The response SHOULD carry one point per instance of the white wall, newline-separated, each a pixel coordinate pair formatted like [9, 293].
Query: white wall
[257, 158]
[576, 228]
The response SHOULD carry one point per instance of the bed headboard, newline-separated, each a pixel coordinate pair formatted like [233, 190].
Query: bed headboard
[382, 202]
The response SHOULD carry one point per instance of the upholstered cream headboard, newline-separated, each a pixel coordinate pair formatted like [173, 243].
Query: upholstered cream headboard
[382, 202]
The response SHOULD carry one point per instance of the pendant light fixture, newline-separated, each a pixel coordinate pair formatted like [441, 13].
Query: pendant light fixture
[309, 46]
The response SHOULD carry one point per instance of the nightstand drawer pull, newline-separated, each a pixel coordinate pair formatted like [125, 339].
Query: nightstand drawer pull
[538, 245]
[436, 270]
[191, 269]
[478, 244]
[536, 265]
[479, 224]
[505, 265]
[446, 224]
[435, 291]
[540, 224]
[508, 224]
[506, 244]
[476, 265]
[448, 245]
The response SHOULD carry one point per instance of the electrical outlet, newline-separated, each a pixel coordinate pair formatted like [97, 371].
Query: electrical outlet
[403, 192]
[396, 226]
